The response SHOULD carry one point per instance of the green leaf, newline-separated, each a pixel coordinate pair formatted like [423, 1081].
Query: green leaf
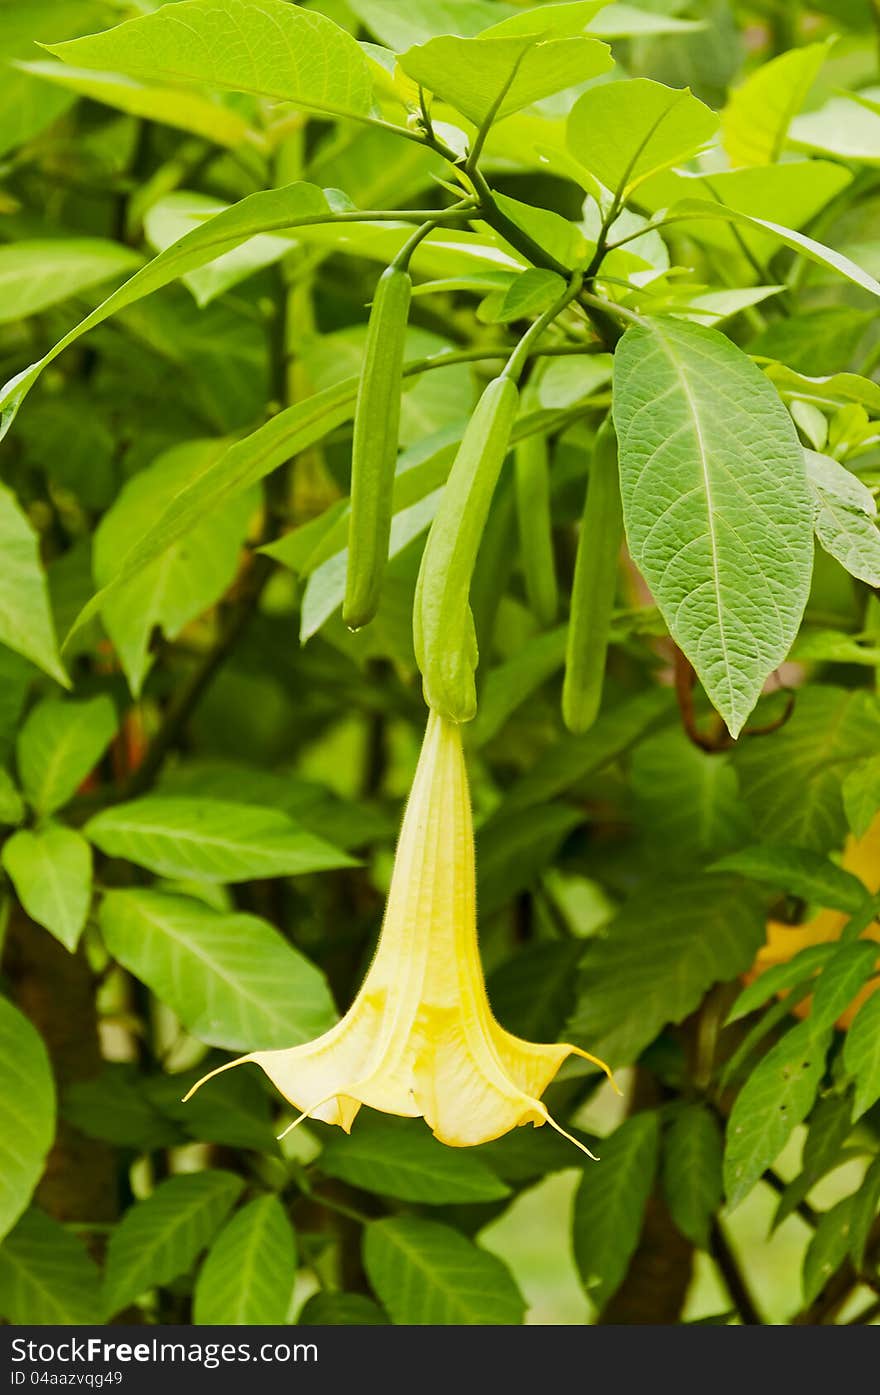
[27, 106]
[716, 506]
[35, 275]
[27, 1112]
[755, 122]
[231, 978]
[798, 871]
[780, 978]
[47, 1276]
[341, 1310]
[11, 802]
[846, 127]
[793, 784]
[513, 850]
[532, 992]
[211, 840]
[60, 744]
[531, 293]
[489, 78]
[864, 1209]
[777, 1096]
[687, 802]
[400, 1158]
[574, 758]
[655, 961]
[236, 1111]
[236, 470]
[51, 870]
[861, 1055]
[187, 111]
[115, 1108]
[610, 1205]
[189, 576]
[427, 1274]
[840, 981]
[508, 685]
[861, 795]
[266, 211]
[159, 1238]
[799, 242]
[623, 132]
[171, 218]
[248, 1275]
[827, 1248]
[25, 620]
[692, 1180]
[828, 1130]
[264, 47]
[845, 519]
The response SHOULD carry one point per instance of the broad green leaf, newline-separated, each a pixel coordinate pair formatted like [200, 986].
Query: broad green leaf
[799, 242]
[656, 960]
[845, 518]
[171, 218]
[846, 127]
[829, 1127]
[27, 106]
[841, 979]
[834, 647]
[513, 850]
[489, 78]
[11, 802]
[427, 1274]
[25, 620]
[236, 470]
[267, 211]
[332, 1309]
[114, 1107]
[35, 275]
[864, 1210]
[401, 1158]
[231, 978]
[248, 1275]
[59, 745]
[827, 1248]
[27, 1112]
[569, 17]
[861, 795]
[861, 1055]
[573, 758]
[188, 577]
[716, 505]
[777, 1096]
[402, 26]
[815, 342]
[686, 801]
[833, 390]
[532, 992]
[531, 293]
[236, 1111]
[51, 870]
[159, 1238]
[781, 978]
[264, 47]
[509, 684]
[692, 1181]
[46, 1275]
[623, 132]
[187, 111]
[210, 840]
[793, 784]
[629, 21]
[755, 122]
[798, 871]
[610, 1204]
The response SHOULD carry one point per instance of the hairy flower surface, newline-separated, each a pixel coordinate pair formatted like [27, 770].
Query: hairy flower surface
[420, 1037]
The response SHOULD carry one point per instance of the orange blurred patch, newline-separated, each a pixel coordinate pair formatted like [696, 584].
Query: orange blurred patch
[861, 856]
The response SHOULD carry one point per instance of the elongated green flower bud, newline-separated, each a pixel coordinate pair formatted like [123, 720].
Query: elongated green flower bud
[592, 595]
[535, 528]
[374, 450]
[443, 627]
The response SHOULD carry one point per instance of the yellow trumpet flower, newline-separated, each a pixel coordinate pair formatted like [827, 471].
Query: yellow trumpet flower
[420, 1037]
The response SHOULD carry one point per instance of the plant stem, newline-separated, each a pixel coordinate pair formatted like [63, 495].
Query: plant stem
[728, 1265]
